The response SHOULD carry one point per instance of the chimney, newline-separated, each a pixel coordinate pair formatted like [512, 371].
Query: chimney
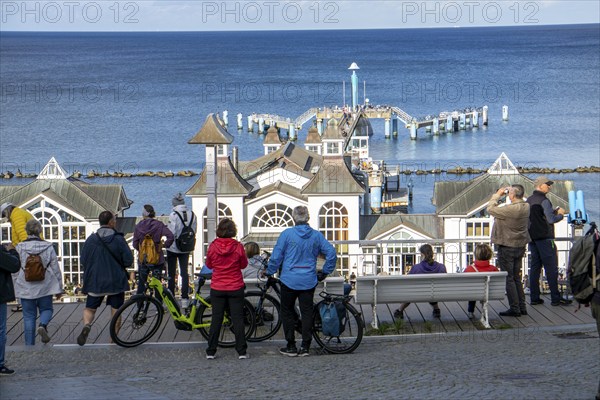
[234, 157]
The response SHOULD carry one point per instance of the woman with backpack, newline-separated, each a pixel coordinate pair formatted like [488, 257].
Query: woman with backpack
[147, 240]
[37, 281]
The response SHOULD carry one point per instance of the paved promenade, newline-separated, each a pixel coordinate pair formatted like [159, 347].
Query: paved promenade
[518, 363]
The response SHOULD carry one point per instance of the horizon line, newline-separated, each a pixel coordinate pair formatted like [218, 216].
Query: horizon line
[301, 30]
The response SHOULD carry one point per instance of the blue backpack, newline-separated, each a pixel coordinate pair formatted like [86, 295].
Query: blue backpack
[333, 318]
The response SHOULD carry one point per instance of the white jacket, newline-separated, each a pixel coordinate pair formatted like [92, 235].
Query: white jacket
[52, 283]
[176, 226]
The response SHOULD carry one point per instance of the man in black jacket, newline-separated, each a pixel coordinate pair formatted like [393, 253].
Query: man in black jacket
[9, 263]
[105, 256]
[542, 217]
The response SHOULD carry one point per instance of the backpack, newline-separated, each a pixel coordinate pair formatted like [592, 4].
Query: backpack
[582, 272]
[34, 268]
[147, 251]
[333, 318]
[186, 241]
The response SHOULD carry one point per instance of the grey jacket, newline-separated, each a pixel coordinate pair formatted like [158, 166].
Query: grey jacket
[511, 222]
[52, 283]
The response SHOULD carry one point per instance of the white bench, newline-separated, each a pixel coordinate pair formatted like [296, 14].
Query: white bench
[476, 286]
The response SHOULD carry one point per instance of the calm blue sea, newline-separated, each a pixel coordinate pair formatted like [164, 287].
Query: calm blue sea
[131, 101]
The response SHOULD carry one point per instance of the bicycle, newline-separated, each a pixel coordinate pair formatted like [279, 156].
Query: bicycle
[139, 318]
[268, 319]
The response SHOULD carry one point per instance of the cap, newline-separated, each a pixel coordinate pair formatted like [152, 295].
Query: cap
[178, 200]
[540, 180]
[3, 207]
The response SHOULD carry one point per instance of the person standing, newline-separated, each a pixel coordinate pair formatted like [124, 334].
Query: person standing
[483, 254]
[295, 255]
[37, 294]
[105, 257]
[9, 264]
[226, 257]
[510, 236]
[179, 218]
[157, 230]
[542, 218]
[427, 266]
[17, 217]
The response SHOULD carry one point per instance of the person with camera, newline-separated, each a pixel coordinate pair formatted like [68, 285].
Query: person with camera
[295, 256]
[510, 236]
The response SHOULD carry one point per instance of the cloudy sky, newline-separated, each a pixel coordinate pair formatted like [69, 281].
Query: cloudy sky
[198, 15]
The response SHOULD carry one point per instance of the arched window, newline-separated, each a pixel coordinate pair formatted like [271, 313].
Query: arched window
[224, 212]
[273, 216]
[66, 232]
[402, 256]
[333, 224]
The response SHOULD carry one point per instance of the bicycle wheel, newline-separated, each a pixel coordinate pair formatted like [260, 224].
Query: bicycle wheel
[268, 315]
[139, 319]
[226, 336]
[350, 337]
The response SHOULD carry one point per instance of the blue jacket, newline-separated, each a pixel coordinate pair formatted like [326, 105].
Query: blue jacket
[425, 268]
[296, 253]
[102, 274]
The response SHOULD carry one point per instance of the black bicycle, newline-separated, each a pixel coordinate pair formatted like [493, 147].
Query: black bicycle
[268, 318]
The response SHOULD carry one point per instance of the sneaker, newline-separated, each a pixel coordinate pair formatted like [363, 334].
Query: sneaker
[17, 308]
[82, 338]
[244, 356]
[290, 351]
[523, 312]
[43, 332]
[471, 315]
[437, 313]
[303, 352]
[398, 314]
[536, 302]
[210, 356]
[185, 303]
[6, 371]
[561, 302]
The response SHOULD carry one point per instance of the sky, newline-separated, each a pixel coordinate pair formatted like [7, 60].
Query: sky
[199, 15]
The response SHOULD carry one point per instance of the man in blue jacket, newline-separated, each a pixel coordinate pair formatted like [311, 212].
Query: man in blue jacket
[295, 256]
[105, 257]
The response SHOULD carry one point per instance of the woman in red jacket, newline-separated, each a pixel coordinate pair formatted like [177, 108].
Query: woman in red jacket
[483, 255]
[226, 257]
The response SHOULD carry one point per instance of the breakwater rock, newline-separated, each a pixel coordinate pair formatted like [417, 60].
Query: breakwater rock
[406, 171]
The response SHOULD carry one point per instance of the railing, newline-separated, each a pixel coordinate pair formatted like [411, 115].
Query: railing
[396, 257]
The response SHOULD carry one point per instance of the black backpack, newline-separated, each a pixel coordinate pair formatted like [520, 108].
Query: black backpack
[186, 241]
[582, 272]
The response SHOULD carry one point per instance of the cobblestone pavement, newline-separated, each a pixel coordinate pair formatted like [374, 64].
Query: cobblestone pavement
[501, 364]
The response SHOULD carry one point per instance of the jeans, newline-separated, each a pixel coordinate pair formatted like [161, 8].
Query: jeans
[510, 259]
[219, 300]
[288, 314]
[543, 252]
[143, 270]
[30, 309]
[172, 259]
[3, 308]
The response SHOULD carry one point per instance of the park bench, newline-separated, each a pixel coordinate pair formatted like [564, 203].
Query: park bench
[477, 286]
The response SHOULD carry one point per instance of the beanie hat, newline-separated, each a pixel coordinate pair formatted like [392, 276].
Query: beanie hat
[178, 200]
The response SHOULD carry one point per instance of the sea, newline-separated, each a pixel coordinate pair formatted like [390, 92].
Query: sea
[132, 101]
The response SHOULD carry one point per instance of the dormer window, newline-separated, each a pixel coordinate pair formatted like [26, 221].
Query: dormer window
[271, 149]
[333, 148]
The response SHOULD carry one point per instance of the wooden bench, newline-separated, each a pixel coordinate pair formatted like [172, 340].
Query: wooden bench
[476, 286]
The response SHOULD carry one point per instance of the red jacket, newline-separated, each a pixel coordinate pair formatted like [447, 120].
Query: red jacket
[482, 266]
[226, 257]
